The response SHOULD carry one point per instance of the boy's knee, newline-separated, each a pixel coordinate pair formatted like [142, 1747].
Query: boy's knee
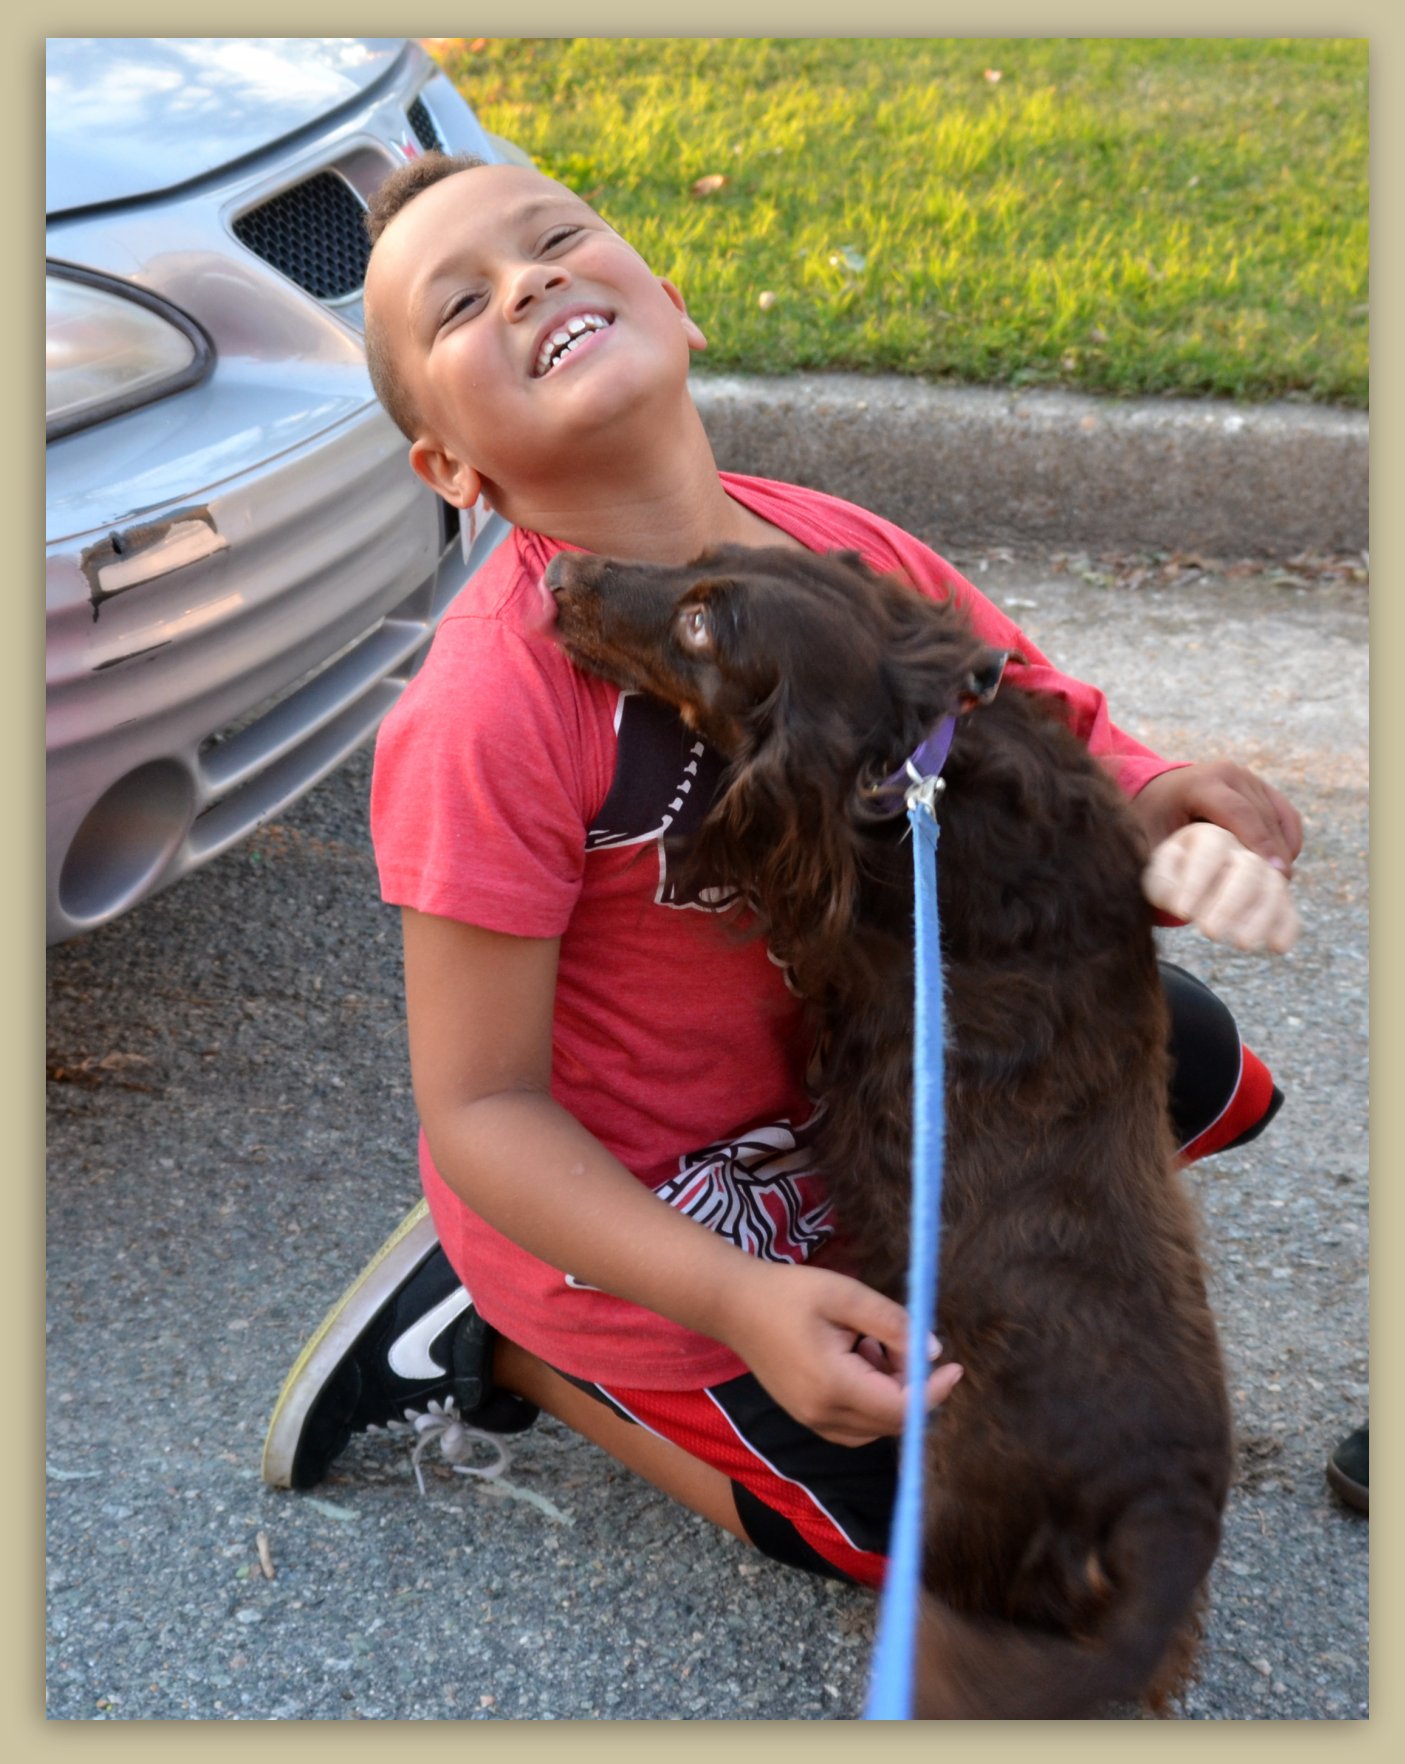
[1221, 1093]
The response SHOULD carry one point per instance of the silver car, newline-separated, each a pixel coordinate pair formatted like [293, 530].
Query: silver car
[242, 570]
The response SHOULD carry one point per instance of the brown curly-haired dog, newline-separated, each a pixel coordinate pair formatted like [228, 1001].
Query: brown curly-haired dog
[1078, 1472]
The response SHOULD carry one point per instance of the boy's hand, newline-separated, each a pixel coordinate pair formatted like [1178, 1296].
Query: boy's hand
[1204, 875]
[797, 1328]
[1226, 795]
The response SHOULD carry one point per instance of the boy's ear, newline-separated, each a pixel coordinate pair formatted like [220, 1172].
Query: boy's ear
[446, 475]
[696, 340]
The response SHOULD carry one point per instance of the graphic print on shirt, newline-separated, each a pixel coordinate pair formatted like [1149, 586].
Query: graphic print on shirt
[760, 1191]
[665, 780]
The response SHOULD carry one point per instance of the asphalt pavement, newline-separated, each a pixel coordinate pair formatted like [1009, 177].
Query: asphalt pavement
[231, 1135]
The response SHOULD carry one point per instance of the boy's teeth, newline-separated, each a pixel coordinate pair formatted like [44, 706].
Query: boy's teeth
[560, 343]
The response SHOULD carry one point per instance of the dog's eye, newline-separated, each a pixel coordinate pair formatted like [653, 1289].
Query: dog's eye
[693, 629]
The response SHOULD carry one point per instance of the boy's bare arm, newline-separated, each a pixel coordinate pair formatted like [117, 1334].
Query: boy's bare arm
[480, 1011]
[1226, 795]
[1203, 875]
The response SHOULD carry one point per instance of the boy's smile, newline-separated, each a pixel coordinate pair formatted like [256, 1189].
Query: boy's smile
[565, 336]
[524, 328]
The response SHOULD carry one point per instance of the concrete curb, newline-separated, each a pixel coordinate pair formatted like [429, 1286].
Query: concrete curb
[969, 466]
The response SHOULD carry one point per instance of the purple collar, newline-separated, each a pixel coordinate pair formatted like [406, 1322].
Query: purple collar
[918, 778]
[922, 765]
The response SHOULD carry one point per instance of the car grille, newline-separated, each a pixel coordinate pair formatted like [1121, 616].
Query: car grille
[314, 234]
[423, 124]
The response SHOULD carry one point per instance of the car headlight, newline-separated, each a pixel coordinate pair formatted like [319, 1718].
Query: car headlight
[109, 347]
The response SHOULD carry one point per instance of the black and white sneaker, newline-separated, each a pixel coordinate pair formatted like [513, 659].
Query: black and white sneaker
[402, 1344]
[1348, 1470]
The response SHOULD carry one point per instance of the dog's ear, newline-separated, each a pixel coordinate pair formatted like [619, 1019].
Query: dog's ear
[983, 681]
[933, 663]
[774, 833]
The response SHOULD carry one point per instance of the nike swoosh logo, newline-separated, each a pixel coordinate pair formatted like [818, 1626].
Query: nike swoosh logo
[409, 1355]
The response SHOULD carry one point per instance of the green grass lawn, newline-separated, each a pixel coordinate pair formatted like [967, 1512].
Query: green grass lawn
[1120, 216]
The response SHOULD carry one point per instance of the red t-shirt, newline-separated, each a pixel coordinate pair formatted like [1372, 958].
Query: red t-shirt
[514, 792]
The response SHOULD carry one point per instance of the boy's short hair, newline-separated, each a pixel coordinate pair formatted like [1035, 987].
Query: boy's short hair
[408, 180]
[401, 187]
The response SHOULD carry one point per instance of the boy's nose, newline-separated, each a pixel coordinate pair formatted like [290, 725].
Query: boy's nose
[532, 281]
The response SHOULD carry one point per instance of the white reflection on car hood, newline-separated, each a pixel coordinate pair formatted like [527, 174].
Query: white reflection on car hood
[161, 111]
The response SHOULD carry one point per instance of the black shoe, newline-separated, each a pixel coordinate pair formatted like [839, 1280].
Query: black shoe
[403, 1337]
[1347, 1470]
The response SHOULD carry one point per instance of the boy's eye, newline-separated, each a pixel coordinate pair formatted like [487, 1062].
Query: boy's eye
[558, 235]
[460, 303]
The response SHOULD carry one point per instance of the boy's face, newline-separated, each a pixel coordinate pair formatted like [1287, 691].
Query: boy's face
[470, 283]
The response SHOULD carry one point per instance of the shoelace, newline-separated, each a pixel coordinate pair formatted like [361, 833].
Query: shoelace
[440, 1425]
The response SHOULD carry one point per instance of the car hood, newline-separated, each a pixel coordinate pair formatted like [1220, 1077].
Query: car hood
[129, 116]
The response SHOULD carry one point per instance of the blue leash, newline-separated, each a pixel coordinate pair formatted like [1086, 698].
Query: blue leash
[890, 1693]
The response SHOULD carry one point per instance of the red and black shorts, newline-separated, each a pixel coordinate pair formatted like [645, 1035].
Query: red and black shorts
[827, 1508]
[801, 1499]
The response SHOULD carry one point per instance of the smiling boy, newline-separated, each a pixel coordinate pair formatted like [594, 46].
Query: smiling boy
[599, 440]
[586, 1042]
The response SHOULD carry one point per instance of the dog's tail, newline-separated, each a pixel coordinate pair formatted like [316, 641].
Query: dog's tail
[972, 1668]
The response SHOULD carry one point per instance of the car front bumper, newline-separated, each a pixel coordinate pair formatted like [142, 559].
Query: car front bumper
[250, 644]
[240, 577]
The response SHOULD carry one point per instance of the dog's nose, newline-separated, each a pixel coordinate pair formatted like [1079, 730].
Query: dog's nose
[558, 572]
